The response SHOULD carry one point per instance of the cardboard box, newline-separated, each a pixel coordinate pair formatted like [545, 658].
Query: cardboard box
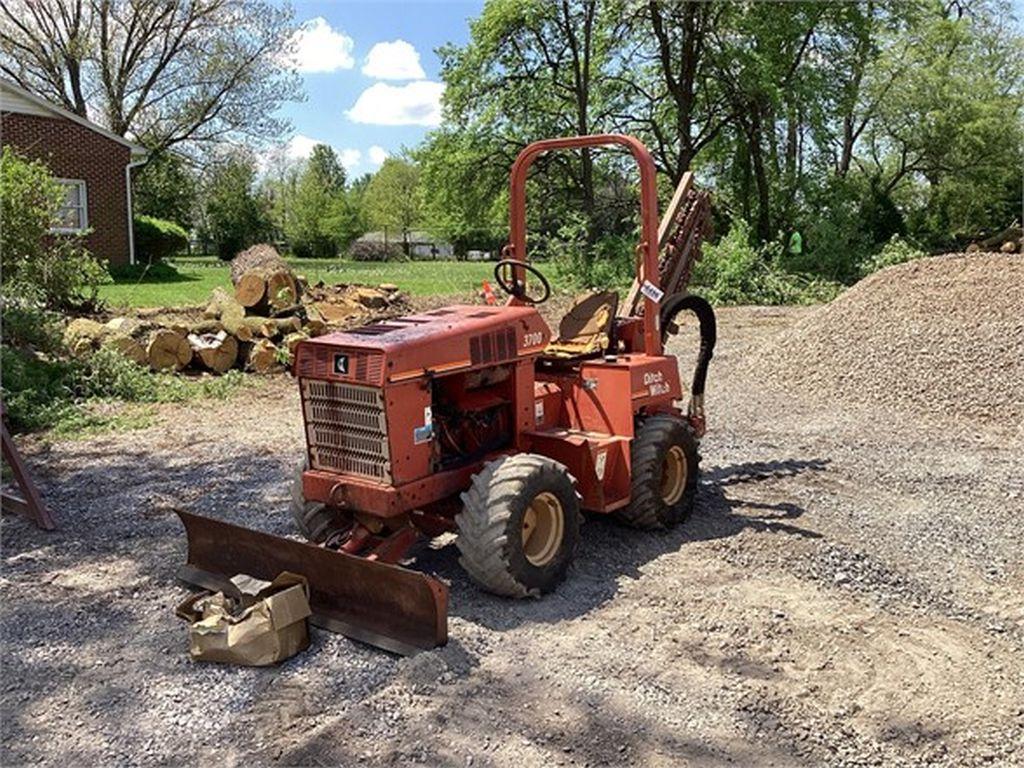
[254, 622]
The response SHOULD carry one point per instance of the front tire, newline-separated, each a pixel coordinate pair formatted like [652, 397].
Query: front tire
[665, 468]
[519, 525]
[315, 520]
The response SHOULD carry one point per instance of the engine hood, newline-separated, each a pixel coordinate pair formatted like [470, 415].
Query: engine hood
[455, 338]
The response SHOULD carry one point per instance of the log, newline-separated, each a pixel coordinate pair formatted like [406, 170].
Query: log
[282, 290]
[83, 335]
[270, 327]
[263, 357]
[251, 289]
[168, 350]
[206, 326]
[128, 347]
[262, 256]
[315, 327]
[291, 341]
[231, 314]
[217, 352]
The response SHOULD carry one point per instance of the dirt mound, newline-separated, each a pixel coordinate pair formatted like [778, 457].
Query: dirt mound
[942, 336]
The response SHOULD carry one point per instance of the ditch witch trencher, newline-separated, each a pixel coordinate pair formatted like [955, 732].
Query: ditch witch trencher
[474, 420]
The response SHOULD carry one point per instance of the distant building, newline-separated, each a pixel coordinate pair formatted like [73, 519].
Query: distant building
[93, 164]
[422, 245]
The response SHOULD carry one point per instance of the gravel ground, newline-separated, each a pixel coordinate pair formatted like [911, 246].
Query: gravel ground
[848, 593]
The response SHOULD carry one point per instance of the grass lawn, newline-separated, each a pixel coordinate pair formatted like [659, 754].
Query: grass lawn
[190, 280]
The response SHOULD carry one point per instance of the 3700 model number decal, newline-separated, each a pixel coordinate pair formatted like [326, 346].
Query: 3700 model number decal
[533, 339]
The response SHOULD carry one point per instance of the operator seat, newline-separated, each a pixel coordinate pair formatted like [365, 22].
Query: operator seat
[585, 330]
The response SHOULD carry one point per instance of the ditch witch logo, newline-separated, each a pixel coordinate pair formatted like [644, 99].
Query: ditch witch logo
[341, 365]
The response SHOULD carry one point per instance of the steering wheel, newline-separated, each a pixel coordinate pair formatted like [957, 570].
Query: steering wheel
[505, 277]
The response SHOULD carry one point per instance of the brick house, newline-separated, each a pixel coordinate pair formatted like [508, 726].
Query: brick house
[93, 164]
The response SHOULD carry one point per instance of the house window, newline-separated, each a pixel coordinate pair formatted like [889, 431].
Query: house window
[73, 215]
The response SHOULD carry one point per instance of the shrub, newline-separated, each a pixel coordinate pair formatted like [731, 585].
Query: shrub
[27, 324]
[896, 251]
[158, 239]
[54, 271]
[733, 271]
[364, 250]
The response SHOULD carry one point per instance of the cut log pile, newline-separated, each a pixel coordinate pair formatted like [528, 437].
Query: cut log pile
[255, 327]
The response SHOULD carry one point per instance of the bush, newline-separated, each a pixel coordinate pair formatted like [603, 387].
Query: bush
[27, 324]
[364, 250]
[896, 251]
[733, 271]
[40, 393]
[158, 239]
[51, 270]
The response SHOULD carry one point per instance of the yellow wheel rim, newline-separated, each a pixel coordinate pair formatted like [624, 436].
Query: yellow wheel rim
[543, 526]
[673, 475]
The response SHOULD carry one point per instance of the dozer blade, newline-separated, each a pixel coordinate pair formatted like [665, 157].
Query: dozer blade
[391, 607]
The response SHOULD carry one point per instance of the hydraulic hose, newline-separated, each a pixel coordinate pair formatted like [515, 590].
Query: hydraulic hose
[670, 308]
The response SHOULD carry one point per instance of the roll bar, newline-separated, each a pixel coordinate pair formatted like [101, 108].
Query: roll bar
[648, 247]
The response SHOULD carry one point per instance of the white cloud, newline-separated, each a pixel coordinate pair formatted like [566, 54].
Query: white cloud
[319, 48]
[349, 157]
[397, 60]
[417, 103]
[300, 147]
[377, 154]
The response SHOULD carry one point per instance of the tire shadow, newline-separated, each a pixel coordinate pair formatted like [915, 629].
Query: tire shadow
[610, 552]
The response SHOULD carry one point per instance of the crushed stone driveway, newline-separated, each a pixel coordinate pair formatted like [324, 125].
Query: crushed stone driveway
[848, 593]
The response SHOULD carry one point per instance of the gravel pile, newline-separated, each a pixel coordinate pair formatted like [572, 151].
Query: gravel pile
[942, 336]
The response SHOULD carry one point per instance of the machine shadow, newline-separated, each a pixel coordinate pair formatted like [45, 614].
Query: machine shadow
[610, 552]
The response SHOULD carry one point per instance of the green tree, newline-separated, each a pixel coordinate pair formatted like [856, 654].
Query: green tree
[346, 220]
[324, 165]
[315, 194]
[234, 217]
[165, 187]
[392, 198]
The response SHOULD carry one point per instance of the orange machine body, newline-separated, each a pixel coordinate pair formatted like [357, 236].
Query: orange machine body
[399, 414]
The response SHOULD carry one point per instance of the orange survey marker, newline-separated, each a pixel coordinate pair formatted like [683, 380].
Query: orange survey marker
[488, 292]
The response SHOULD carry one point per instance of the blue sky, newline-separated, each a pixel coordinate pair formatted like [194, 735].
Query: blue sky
[371, 75]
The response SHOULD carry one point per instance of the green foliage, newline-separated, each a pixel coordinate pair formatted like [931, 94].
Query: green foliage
[45, 393]
[314, 195]
[581, 265]
[896, 251]
[158, 239]
[346, 218]
[735, 272]
[392, 198]
[847, 122]
[51, 270]
[165, 188]
[324, 166]
[234, 217]
[28, 325]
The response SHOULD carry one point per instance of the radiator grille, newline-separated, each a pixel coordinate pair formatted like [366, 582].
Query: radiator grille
[346, 429]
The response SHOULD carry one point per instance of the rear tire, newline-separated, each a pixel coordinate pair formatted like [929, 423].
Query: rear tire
[665, 468]
[519, 525]
[315, 520]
